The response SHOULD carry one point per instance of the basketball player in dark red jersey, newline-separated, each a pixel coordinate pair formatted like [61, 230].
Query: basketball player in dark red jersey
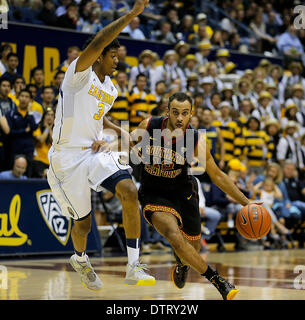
[168, 193]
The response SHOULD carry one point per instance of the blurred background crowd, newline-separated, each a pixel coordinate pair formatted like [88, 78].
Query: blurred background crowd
[254, 118]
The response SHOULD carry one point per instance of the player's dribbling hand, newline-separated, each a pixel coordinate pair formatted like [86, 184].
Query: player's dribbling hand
[100, 146]
[139, 6]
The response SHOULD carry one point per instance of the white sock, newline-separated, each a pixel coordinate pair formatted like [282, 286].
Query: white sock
[82, 258]
[133, 255]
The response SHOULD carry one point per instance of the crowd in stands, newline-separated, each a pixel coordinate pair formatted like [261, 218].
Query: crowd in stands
[254, 119]
[242, 25]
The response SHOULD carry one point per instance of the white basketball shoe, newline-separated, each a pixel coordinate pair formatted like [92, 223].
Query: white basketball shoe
[88, 277]
[136, 275]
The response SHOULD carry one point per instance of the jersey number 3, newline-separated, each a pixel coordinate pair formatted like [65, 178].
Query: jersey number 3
[100, 113]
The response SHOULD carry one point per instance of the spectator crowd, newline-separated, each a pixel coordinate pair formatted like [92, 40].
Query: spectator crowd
[254, 119]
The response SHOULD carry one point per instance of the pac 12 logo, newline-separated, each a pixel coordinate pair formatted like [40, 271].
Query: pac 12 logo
[58, 224]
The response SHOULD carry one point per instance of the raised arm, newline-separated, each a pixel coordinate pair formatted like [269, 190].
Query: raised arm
[106, 36]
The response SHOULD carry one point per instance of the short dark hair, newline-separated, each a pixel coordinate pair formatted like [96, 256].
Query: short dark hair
[47, 87]
[115, 44]
[181, 97]
[206, 109]
[18, 77]
[31, 85]
[12, 54]
[58, 73]
[26, 90]
[5, 79]
[141, 75]
[34, 70]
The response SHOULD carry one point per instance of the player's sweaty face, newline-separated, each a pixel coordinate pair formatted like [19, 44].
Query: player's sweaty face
[180, 114]
[110, 61]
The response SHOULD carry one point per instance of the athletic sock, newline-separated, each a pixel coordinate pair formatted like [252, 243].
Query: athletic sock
[209, 273]
[133, 250]
[80, 256]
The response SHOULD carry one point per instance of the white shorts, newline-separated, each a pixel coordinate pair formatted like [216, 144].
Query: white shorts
[74, 172]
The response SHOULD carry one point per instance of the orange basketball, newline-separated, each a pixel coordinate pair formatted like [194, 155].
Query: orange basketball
[253, 222]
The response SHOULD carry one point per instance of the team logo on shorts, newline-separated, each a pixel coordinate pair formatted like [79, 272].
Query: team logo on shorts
[59, 225]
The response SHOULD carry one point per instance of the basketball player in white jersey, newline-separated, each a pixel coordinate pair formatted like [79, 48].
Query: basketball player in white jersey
[77, 164]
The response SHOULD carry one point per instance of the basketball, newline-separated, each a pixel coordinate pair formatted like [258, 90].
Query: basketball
[253, 222]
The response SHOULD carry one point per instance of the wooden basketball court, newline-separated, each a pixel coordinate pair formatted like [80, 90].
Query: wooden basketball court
[260, 275]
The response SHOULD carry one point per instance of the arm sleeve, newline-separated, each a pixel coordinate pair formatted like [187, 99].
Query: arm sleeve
[74, 81]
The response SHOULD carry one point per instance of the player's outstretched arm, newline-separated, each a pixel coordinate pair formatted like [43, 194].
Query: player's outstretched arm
[107, 35]
[217, 176]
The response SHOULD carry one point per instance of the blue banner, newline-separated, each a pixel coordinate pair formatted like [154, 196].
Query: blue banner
[47, 47]
[31, 221]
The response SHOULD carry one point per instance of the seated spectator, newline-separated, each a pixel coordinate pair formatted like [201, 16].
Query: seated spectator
[63, 8]
[204, 52]
[123, 65]
[289, 148]
[273, 129]
[141, 102]
[289, 80]
[201, 20]
[200, 36]
[19, 168]
[192, 83]
[211, 70]
[186, 31]
[259, 28]
[93, 23]
[5, 49]
[161, 109]
[160, 90]
[289, 44]
[57, 81]
[70, 18]
[6, 103]
[37, 78]
[11, 70]
[228, 94]
[246, 107]
[297, 96]
[222, 58]
[21, 127]
[190, 65]
[133, 30]
[267, 192]
[206, 86]
[169, 71]
[228, 128]
[43, 141]
[47, 96]
[164, 34]
[18, 85]
[264, 110]
[295, 187]
[182, 48]
[255, 145]
[47, 13]
[72, 54]
[292, 114]
[275, 74]
[34, 107]
[120, 109]
[144, 67]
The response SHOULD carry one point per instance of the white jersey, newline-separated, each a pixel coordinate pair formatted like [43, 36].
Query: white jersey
[82, 104]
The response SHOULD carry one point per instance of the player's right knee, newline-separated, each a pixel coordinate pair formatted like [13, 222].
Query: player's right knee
[82, 227]
[127, 191]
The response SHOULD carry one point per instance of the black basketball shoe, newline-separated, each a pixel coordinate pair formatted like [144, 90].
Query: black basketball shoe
[226, 289]
[179, 275]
